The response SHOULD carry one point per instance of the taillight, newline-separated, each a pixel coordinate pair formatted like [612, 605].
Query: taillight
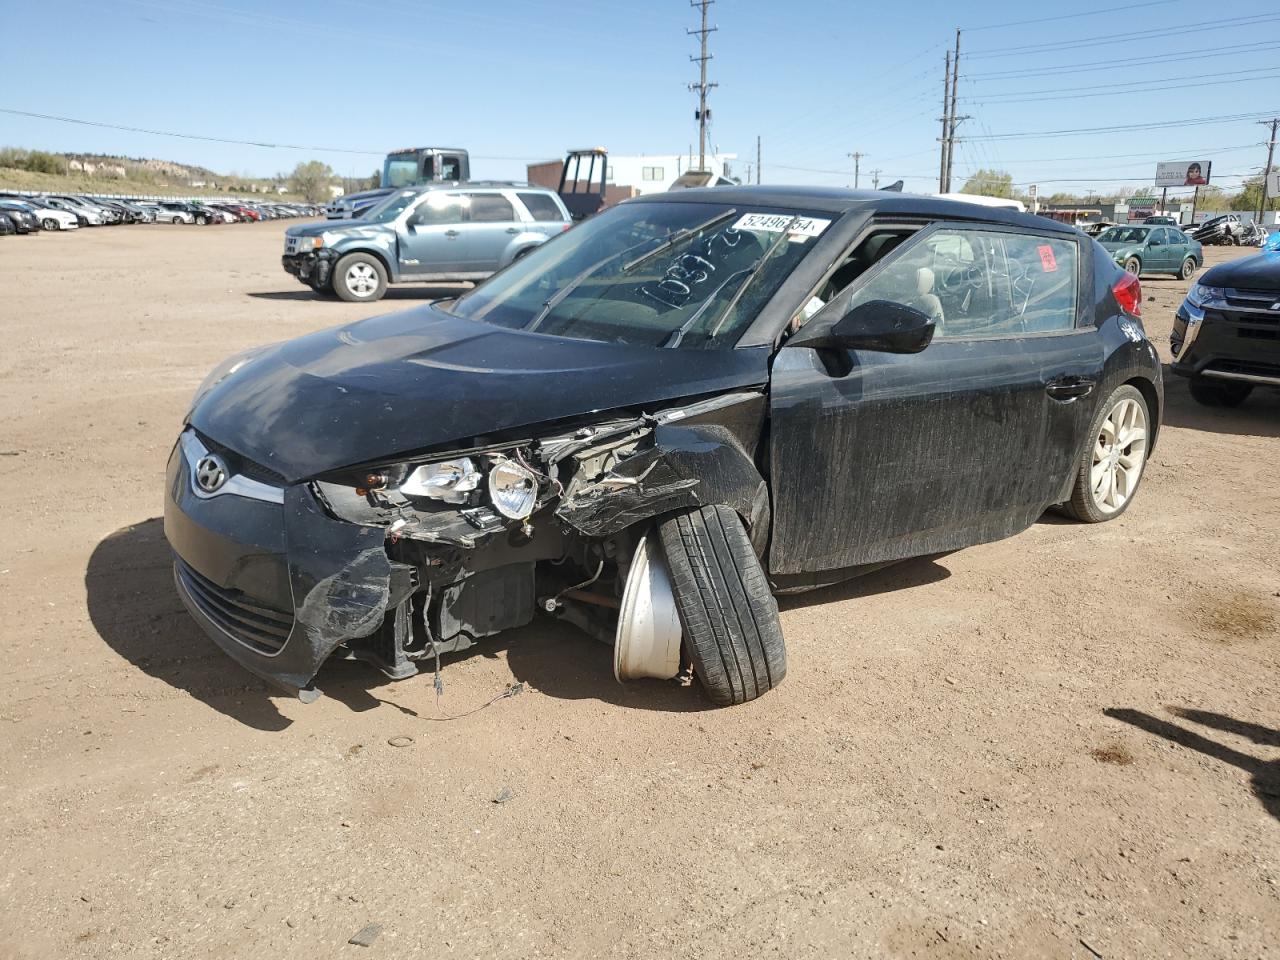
[1128, 293]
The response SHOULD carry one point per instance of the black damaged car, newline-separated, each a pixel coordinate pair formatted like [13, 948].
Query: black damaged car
[652, 424]
[1226, 335]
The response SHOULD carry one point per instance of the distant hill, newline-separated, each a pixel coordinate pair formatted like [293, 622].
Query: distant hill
[103, 173]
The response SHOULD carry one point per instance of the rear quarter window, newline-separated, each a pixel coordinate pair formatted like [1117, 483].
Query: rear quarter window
[491, 208]
[541, 207]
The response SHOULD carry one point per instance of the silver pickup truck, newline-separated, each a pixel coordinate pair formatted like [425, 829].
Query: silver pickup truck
[430, 233]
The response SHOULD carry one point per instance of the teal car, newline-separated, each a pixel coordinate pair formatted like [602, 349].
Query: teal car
[1153, 249]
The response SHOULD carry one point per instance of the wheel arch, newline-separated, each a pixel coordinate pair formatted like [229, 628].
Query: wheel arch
[685, 467]
[1152, 396]
[379, 255]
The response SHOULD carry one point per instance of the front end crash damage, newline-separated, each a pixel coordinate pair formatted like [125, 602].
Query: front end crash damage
[312, 267]
[389, 569]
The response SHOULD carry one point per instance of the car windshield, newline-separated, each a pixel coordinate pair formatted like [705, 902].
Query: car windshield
[387, 209]
[1124, 235]
[689, 275]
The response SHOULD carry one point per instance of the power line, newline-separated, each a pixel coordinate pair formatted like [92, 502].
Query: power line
[1107, 90]
[994, 97]
[185, 136]
[1187, 122]
[209, 139]
[1072, 16]
[1154, 34]
[1128, 63]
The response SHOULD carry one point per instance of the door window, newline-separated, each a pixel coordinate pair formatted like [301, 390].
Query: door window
[440, 208]
[541, 207]
[1159, 237]
[491, 208]
[975, 283]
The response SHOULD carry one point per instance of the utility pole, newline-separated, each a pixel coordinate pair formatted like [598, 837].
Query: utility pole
[946, 123]
[875, 178]
[1266, 171]
[758, 164]
[702, 86]
[951, 129]
[857, 160]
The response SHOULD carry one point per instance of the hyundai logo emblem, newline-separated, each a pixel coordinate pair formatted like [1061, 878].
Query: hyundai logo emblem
[211, 473]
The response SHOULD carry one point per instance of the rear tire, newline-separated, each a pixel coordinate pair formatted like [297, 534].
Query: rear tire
[50, 224]
[1107, 482]
[730, 619]
[1133, 265]
[1227, 394]
[1188, 268]
[359, 278]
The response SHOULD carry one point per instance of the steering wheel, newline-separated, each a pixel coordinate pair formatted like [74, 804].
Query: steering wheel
[958, 277]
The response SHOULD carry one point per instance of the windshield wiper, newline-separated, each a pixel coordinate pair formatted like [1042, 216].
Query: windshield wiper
[677, 335]
[555, 299]
[678, 237]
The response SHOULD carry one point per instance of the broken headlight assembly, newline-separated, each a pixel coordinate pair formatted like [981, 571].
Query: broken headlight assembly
[513, 489]
[493, 483]
[448, 480]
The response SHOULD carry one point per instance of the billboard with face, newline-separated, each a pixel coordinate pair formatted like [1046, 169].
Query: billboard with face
[1183, 173]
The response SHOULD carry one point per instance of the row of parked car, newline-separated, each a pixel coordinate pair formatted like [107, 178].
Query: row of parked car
[22, 213]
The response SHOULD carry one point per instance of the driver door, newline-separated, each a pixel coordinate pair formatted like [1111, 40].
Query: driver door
[878, 456]
[1159, 255]
[430, 238]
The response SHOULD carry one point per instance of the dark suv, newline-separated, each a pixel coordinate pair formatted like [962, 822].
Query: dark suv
[1226, 336]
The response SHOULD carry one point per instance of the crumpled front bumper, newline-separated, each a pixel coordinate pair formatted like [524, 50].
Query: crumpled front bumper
[277, 586]
[312, 267]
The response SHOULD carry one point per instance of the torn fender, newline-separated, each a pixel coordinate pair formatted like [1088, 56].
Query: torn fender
[681, 466]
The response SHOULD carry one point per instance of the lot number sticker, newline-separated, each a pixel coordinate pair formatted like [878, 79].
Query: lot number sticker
[801, 230]
[1047, 261]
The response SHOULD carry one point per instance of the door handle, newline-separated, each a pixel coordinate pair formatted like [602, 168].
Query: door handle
[451, 233]
[1069, 387]
[513, 229]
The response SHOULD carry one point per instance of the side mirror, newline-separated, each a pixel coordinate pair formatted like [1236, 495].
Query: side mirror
[880, 325]
[1155, 243]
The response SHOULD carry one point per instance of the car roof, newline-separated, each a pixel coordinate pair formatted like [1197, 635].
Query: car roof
[840, 201]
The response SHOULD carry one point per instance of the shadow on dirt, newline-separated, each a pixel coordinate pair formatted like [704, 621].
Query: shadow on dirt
[135, 609]
[916, 572]
[416, 294]
[1265, 774]
[1258, 416]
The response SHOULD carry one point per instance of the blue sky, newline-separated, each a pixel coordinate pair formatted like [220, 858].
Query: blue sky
[521, 80]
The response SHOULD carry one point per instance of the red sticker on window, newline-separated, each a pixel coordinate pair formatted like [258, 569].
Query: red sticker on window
[1047, 263]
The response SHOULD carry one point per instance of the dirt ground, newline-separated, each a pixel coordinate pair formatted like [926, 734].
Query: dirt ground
[1063, 745]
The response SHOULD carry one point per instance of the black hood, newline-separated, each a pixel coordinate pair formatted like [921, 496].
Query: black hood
[407, 382]
[1259, 272]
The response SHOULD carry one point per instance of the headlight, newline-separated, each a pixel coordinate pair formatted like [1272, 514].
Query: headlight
[512, 489]
[1199, 295]
[448, 480]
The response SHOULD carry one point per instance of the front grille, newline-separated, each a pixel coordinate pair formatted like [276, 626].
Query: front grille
[241, 465]
[249, 621]
[1262, 300]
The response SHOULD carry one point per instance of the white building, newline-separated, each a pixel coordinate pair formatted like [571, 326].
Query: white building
[654, 173]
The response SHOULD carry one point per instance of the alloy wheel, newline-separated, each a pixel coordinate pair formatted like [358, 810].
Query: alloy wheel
[1119, 454]
[362, 280]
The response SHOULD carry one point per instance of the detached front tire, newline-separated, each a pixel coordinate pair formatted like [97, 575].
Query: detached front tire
[730, 619]
[359, 278]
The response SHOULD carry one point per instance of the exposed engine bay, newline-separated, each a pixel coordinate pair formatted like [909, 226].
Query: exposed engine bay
[483, 538]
